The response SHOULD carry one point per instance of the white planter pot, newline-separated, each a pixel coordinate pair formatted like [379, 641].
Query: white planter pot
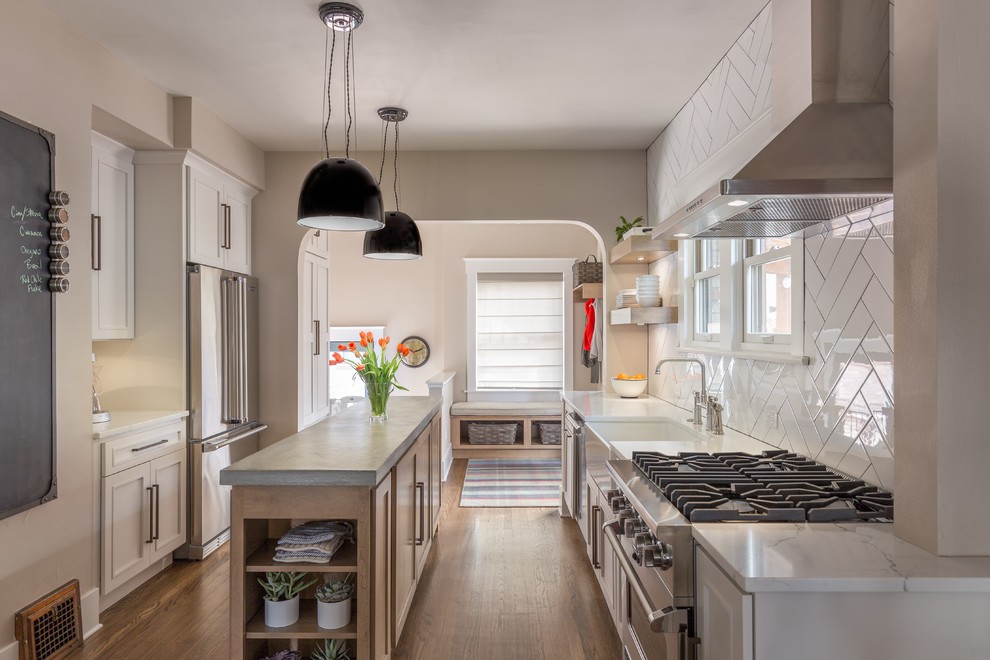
[333, 615]
[282, 613]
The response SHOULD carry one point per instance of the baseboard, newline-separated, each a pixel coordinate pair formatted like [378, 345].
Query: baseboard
[89, 603]
[9, 652]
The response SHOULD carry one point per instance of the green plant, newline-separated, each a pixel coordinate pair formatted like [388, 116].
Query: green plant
[625, 226]
[336, 591]
[331, 650]
[280, 586]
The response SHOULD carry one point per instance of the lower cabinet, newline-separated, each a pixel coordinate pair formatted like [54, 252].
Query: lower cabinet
[724, 614]
[383, 631]
[144, 516]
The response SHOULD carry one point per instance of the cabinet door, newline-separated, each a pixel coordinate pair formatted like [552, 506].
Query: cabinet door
[113, 241]
[319, 243]
[383, 621]
[168, 483]
[436, 472]
[606, 557]
[567, 469]
[127, 533]
[237, 254]
[406, 503]
[206, 219]
[314, 337]
[725, 614]
[424, 539]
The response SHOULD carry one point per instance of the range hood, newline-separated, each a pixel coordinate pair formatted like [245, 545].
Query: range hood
[832, 153]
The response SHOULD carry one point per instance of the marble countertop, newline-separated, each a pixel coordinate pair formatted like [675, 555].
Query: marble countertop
[597, 406]
[127, 421]
[865, 557]
[343, 450]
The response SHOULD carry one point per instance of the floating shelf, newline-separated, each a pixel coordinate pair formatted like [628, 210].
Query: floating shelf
[305, 628]
[262, 560]
[641, 250]
[584, 292]
[643, 315]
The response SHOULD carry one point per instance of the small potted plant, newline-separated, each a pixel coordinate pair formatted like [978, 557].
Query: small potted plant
[331, 650]
[625, 227]
[333, 606]
[282, 597]
[284, 655]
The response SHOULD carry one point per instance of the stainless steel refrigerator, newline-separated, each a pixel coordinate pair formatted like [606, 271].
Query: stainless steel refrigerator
[222, 344]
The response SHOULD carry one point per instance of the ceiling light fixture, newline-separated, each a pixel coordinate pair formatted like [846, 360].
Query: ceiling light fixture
[681, 235]
[340, 193]
[399, 239]
[738, 202]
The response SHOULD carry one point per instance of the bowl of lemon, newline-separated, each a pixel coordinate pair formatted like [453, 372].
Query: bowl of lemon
[629, 387]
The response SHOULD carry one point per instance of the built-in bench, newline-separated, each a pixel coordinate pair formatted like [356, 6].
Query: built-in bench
[528, 435]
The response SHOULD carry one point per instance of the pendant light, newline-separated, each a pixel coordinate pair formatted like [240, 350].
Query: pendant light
[399, 239]
[340, 193]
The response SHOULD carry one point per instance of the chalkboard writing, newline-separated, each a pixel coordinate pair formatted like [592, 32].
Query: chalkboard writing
[27, 402]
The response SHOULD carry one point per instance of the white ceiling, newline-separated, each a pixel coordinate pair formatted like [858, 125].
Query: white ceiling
[474, 74]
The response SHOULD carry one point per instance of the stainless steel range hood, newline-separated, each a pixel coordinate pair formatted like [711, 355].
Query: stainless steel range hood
[835, 157]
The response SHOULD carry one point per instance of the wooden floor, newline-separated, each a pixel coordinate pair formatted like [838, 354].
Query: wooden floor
[500, 583]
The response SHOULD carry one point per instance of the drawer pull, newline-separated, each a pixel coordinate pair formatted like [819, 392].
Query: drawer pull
[153, 444]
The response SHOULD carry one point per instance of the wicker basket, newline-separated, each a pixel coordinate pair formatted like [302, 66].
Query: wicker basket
[492, 434]
[588, 271]
[549, 432]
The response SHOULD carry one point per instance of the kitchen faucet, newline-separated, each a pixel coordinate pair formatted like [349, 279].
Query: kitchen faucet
[701, 399]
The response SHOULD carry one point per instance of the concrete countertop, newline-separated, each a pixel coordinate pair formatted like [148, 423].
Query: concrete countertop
[846, 557]
[343, 450]
[128, 421]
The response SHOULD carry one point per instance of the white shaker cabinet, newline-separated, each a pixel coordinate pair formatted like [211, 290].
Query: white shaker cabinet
[724, 614]
[112, 239]
[219, 212]
[143, 495]
[314, 292]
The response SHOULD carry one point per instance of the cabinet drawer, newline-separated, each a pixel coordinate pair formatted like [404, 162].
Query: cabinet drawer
[136, 448]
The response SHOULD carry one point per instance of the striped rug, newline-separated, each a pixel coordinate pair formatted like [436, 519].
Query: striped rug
[517, 482]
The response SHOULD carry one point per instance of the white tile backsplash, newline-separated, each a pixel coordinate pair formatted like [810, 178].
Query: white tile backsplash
[838, 409]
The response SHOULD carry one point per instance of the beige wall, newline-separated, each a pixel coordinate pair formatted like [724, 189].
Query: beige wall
[428, 297]
[593, 187]
[53, 78]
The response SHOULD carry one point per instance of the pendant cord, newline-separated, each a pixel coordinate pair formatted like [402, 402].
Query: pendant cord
[354, 113]
[381, 170]
[347, 93]
[326, 124]
[395, 166]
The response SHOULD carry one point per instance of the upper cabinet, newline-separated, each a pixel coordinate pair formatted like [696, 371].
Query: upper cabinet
[219, 231]
[112, 248]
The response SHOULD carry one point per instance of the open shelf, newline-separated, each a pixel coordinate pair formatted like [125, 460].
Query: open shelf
[343, 561]
[643, 315]
[584, 292]
[641, 250]
[305, 628]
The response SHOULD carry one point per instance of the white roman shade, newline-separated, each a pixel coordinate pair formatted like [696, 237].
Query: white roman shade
[519, 326]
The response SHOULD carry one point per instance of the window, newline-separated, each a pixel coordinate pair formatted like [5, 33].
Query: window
[743, 296]
[517, 317]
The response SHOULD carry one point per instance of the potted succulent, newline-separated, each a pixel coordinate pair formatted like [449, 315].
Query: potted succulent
[333, 603]
[625, 227]
[282, 597]
[332, 649]
[284, 655]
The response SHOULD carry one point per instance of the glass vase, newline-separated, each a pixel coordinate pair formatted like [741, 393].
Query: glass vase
[378, 394]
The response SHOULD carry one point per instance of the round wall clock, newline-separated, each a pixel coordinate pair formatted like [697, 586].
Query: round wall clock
[419, 351]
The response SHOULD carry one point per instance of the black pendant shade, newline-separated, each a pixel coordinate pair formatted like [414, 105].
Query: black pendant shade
[399, 239]
[341, 194]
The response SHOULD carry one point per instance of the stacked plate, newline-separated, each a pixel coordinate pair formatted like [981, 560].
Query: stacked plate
[626, 298]
[648, 290]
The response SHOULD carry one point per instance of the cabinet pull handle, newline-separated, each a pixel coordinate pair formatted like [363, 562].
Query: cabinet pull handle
[227, 225]
[421, 487]
[96, 241]
[153, 444]
[316, 338]
[158, 510]
[151, 515]
[595, 531]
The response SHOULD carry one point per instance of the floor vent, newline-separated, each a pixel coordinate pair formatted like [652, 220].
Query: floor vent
[50, 627]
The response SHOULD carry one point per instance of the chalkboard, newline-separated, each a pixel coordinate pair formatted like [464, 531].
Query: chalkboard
[27, 318]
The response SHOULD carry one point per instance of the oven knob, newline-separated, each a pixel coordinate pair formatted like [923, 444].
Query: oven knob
[618, 502]
[642, 540]
[626, 516]
[612, 494]
[632, 527]
[665, 559]
[649, 554]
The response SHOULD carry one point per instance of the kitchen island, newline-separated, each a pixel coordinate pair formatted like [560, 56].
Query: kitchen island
[382, 478]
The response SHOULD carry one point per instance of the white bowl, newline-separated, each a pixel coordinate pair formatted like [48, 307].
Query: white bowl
[629, 389]
[648, 301]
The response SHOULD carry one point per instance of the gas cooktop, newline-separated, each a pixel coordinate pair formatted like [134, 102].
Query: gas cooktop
[774, 486]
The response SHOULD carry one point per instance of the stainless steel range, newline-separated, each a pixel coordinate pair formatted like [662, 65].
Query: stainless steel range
[659, 496]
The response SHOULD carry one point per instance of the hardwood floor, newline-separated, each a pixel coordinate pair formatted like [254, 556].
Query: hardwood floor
[500, 583]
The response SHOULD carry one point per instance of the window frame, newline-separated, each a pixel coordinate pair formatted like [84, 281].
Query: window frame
[749, 261]
[732, 339]
[474, 266]
[721, 272]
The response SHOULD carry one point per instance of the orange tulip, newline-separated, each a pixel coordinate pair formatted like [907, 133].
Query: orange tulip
[360, 367]
[381, 343]
[388, 338]
[364, 335]
[351, 346]
[338, 357]
[364, 343]
[400, 347]
[370, 337]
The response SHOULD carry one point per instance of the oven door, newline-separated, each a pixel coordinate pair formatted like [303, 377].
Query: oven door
[651, 627]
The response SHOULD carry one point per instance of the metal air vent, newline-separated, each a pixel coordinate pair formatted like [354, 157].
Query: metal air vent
[50, 627]
[751, 229]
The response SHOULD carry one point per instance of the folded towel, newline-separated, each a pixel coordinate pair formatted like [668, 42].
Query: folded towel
[328, 547]
[300, 558]
[317, 532]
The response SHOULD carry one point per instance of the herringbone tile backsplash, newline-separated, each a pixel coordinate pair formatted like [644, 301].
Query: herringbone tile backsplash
[839, 409]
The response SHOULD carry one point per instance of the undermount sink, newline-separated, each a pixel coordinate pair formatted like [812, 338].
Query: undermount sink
[661, 429]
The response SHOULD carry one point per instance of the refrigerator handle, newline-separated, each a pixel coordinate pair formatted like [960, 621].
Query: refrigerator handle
[224, 351]
[243, 349]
